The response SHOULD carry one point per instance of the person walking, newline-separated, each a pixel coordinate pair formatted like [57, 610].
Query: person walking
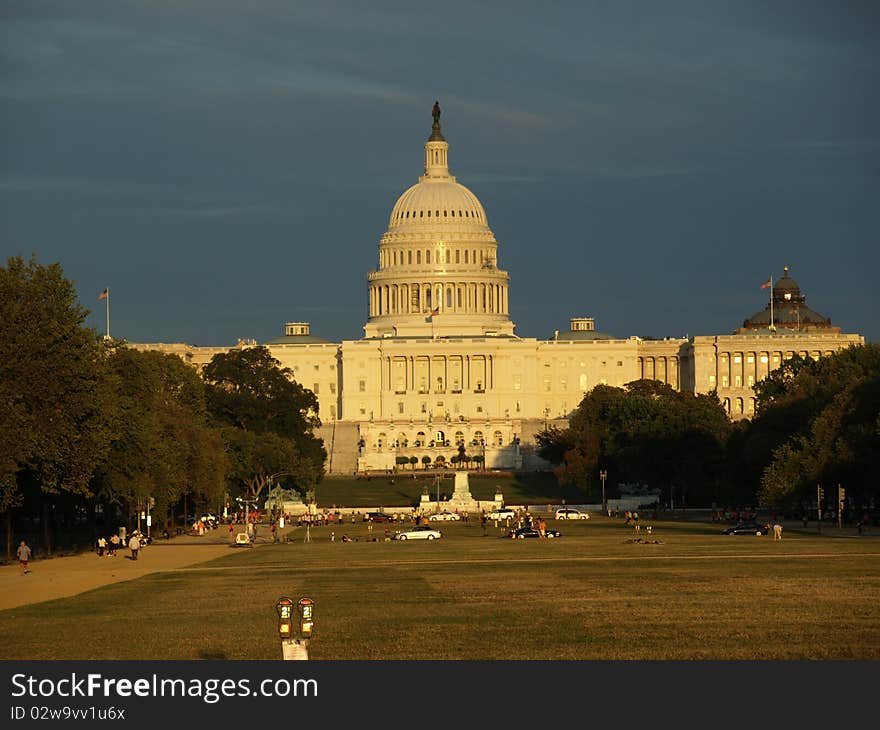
[114, 544]
[134, 545]
[24, 555]
[102, 546]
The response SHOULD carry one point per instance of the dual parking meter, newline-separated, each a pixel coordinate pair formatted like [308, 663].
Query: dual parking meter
[293, 646]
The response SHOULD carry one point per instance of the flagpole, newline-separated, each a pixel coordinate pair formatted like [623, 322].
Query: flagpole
[108, 312]
[772, 326]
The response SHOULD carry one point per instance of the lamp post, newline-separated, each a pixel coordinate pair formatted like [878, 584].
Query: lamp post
[603, 475]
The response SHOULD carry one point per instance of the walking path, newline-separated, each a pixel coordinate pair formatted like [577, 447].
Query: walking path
[61, 577]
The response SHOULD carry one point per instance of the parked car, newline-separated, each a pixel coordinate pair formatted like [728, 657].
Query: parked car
[569, 513]
[526, 532]
[444, 517]
[242, 539]
[747, 528]
[377, 517]
[501, 514]
[419, 533]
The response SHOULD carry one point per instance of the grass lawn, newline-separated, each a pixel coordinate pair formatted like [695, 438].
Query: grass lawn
[401, 490]
[590, 594]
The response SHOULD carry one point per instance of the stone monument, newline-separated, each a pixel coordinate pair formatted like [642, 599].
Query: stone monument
[462, 499]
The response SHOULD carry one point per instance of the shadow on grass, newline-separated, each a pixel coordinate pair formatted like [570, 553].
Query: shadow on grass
[213, 655]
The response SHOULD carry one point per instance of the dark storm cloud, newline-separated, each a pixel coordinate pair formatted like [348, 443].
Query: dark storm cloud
[647, 164]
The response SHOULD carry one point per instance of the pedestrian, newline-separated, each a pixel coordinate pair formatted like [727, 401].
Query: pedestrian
[134, 545]
[24, 556]
[542, 528]
[777, 530]
[114, 544]
[102, 546]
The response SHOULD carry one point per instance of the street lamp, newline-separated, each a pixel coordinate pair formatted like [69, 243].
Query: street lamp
[603, 475]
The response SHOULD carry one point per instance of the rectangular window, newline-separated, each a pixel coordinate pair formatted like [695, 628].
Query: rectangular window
[750, 358]
[362, 386]
[751, 380]
[400, 407]
[547, 385]
[620, 363]
[724, 381]
[737, 358]
[424, 407]
[317, 367]
[332, 387]
[316, 388]
[737, 380]
[517, 382]
[711, 380]
[563, 384]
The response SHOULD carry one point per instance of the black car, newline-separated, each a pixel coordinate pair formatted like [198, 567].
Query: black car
[747, 528]
[523, 532]
[377, 517]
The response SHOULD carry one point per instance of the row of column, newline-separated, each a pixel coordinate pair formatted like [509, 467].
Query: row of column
[438, 373]
[660, 368]
[395, 257]
[461, 297]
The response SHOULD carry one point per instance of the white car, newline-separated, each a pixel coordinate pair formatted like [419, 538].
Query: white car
[444, 517]
[568, 513]
[501, 514]
[419, 533]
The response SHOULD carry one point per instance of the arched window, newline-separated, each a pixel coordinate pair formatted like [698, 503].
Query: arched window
[380, 442]
[418, 257]
[402, 441]
[420, 438]
[457, 256]
[478, 438]
[498, 438]
[428, 254]
[459, 438]
[448, 256]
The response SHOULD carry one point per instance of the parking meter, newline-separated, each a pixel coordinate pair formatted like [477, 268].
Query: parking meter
[284, 608]
[306, 617]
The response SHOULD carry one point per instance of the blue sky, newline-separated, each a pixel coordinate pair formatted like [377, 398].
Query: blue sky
[225, 167]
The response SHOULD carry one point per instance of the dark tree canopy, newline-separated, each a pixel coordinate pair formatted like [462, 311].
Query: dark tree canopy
[268, 419]
[645, 432]
[164, 447]
[819, 424]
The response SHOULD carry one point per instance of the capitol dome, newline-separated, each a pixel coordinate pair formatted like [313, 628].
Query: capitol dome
[437, 202]
[438, 260]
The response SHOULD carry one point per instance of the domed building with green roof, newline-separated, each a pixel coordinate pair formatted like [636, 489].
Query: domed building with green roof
[787, 311]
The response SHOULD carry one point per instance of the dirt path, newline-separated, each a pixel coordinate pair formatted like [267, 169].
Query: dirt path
[60, 577]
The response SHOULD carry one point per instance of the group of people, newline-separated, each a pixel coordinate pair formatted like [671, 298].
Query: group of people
[108, 547]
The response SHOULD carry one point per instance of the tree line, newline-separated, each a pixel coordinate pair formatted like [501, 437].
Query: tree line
[817, 423]
[90, 426]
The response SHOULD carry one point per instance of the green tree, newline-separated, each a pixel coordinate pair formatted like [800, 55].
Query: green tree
[268, 418]
[831, 408]
[54, 403]
[645, 432]
[164, 447]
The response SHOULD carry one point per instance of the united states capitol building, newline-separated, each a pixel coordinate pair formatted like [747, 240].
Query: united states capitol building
[440, 364]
